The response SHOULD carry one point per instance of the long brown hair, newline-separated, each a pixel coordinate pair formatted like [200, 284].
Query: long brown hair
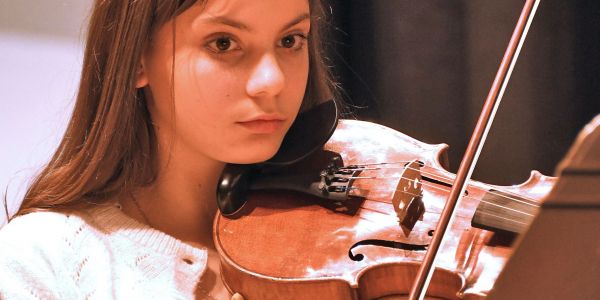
[109, 145]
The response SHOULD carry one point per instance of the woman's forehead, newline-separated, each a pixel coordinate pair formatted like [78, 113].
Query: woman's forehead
[245, 15]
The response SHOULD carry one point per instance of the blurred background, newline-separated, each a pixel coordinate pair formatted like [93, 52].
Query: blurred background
[421, 67]
[425, 68]
[41, 49]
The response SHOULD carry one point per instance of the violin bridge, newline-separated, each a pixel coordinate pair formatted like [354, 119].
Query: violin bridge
[407, 198]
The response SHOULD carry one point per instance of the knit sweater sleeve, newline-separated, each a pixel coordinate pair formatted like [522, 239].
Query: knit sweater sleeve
[97, 253]
[32, 251]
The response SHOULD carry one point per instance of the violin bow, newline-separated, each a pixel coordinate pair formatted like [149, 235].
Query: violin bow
[475, 145]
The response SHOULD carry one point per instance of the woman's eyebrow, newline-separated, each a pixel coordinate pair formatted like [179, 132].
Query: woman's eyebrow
[297, 20]
[239, 25]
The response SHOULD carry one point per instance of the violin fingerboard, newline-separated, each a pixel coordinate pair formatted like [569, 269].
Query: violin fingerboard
[503, 212]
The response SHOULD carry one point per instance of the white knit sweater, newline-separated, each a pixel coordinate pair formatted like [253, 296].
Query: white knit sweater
[97, 254]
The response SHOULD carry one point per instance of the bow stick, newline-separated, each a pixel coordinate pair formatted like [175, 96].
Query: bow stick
[475, 145]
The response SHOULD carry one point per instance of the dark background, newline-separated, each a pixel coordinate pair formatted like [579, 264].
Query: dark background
[425, 68]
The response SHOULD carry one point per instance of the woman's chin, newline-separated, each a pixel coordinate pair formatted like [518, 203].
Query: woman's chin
[252, 156]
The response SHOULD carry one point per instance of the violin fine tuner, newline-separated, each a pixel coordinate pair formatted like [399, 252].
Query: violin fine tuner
[336, 180]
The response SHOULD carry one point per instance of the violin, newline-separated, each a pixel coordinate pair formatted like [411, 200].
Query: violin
[362, 214]
[365, 216]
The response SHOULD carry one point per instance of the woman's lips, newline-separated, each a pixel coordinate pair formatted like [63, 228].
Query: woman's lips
[262, 126]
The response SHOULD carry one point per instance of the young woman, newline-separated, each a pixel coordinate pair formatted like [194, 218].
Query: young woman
[170, 92]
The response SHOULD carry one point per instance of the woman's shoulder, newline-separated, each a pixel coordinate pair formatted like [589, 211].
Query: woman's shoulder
[45, 237]
[56, 230]
[54, 254]
[34, 249]
[40, 226]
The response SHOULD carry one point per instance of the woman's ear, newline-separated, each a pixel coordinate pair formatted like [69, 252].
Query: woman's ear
[141, 78]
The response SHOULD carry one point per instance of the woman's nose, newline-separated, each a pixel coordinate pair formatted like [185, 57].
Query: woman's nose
[266, 79]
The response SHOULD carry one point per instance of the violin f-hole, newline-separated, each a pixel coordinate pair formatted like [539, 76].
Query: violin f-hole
[383, 243]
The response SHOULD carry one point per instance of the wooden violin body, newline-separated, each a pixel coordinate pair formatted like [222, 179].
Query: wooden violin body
[289, 246]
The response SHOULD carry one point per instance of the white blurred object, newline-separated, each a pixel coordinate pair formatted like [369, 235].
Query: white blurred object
[41, 50]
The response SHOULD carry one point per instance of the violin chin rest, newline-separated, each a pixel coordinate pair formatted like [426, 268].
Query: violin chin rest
[232, 188]
[309, 132]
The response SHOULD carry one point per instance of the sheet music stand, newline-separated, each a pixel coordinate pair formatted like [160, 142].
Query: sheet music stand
[559, 256]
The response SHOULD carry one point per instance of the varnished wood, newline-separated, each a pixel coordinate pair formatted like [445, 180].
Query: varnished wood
[288, 246]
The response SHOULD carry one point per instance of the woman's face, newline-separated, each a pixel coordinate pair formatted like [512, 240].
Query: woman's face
[240, 70]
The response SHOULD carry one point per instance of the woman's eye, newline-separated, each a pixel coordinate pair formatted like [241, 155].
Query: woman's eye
[293, 41]
[222, 44]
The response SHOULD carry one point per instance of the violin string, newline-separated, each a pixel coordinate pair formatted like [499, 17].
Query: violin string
[389, 202]
[485, 213]
[433, 186]
[475, 187]
[437, 177]
[395, 219]
[444, 189]
[466, 197]
[515, 197]
[433, 175]
[501, 217]
[393, 215]
[375, 164]
[470, 197]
